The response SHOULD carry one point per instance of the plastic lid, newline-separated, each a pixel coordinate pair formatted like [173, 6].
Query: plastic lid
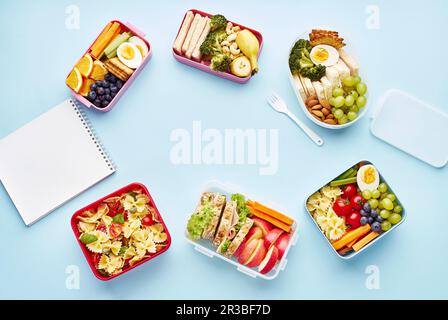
[412, 126]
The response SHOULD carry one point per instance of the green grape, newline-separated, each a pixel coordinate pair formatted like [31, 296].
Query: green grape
[354, 108]
[349, 100]
[382, 187]
[373, 203]
[387, 204]
[355, 94]
[361, 88]
[398, 209]
[386, 225]
[338, 114]
[348, 81]
[376, 194]
[343, 120]
[337, 92]
[385, 214]
[331, 101]
[357, 79]
[380, 205]
[339, 101]
[361, 102]
[366, 194]
[394, 218]
[392, 197]
[351, 115]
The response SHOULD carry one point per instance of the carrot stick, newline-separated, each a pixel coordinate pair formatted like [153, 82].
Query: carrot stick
[350, 236]
[344, 250]
[102, 34]
[273, 213]
[270, 219]
[352, 243]
[361, 243]
[104, 41]
[249, 203]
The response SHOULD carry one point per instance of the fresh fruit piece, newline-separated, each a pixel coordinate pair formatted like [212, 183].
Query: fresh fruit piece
[269, 261]
[376, 194]
[238, 251]
[398, 209]
[348, 81]
[385, 214]
[338, 92]
[374, 214]
[382, 187]
[376, 226]
[248, 249]
[361, 102]
[249, 46]
[394, 218]
[257, 255]
[271, 238]
[254, 233]
[99, 71]
[363, 221]
[357, 202]
[74, 80]
[115, 229]
[353, 219]
[391, 196]
[85, 88]
[387, 204]
[148, 220]
[263, 225]
[352, 115]
[342, 207]
[348, 191]
[240, 67]
[367, 208]
[282, 244]
[339, 101]
[361, 88]
[338, 114]
[366, 194]
[357, 79]
[386, 225]
[85, 65]
[111, 49]
[373, 203]
[349, 100]
[343, 120]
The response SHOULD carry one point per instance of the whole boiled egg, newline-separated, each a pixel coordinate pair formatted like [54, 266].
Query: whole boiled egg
[141, 45]
[129, 55]
[325, 55]
[368, 178]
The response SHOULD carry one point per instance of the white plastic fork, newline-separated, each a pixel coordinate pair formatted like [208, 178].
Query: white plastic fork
[279, 105]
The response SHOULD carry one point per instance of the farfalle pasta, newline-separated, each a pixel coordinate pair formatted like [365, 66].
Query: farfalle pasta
[121, 231]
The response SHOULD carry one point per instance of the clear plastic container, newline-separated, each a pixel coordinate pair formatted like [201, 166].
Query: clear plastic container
[205, 247]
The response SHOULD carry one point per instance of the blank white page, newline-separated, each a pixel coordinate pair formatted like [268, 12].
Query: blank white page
[50, 160]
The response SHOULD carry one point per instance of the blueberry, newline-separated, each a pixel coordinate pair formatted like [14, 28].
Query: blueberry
[108, 77]
[100, 91]
[106, 84]
[98, 84]
[93, 87]
[376, 227]
[371, 220]
[113, 89]
[364, 220]
[101, 98]
[363, 213]
[374, 214]
[367, 207]
[107, 97]
[107, 91]
[379, 219]
[97, 102]
[105, 103]
[119, 84]
[92, 95]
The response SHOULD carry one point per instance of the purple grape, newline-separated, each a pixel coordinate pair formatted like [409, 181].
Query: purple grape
[367, 207]
[371, 220]
[376, 227]
[364, 220]
[363, 213]
[374, 214]
[379, 219]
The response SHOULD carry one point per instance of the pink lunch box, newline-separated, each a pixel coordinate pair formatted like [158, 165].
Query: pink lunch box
[204, 65]
[125, 27]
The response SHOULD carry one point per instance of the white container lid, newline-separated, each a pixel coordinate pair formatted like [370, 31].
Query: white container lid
[412, 126]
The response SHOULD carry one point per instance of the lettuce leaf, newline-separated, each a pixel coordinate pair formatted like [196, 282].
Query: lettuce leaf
[199, 221]
[243, 210]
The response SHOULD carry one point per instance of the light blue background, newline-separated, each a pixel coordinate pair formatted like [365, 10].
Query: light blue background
[407, 52]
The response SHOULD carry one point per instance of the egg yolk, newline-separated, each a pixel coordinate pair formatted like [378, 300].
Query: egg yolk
[127, 53]
[321, 55]
[369, 175]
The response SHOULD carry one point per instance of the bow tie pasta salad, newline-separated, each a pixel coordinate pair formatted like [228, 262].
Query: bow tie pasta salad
[121, 231]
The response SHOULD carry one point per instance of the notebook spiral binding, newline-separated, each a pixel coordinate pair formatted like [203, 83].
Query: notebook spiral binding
[88, 125]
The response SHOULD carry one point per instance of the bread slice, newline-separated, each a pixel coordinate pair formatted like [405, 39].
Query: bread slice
[236, 242]
[351, 63]
[342, 69]
[218, 202]
[333, 76]
[225, 223]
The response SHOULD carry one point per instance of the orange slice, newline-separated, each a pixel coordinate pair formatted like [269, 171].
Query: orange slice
[74, 80]
[85, 88]
[85, 65]
[99, 71]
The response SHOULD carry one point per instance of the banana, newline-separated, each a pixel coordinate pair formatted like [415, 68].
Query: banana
[249, 46]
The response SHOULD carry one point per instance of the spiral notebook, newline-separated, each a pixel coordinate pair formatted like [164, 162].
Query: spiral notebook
[50, 160]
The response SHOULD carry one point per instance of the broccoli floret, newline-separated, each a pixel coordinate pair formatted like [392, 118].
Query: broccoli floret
[220, 62]
[305, 63]
[212, 43]
[300, 50]
[314, 73]
[218, 21]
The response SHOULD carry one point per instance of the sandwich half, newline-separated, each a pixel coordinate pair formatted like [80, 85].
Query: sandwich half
[218, 202]
[225, 224]
[229, 246]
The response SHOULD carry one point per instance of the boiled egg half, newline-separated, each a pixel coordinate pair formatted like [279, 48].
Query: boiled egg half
[129, 55]
[141, 45]
[325, 55]
[368, 178]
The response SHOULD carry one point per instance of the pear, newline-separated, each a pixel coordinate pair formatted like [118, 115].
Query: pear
[241, 67]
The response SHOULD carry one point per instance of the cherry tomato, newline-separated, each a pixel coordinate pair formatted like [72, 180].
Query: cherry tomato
[349, 191]
[342, 207]
[96, 258]
[114, 209]
[353, 219]
[115, 229]
[148, 220]
[101, 227]
[357, 201]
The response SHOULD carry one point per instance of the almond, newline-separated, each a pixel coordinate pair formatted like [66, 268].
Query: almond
[325, 111]
[316, 107]
[316, 117]
[309, 99]
[312, 103]
[330, 116]
[325, 104]
[317, 113]
[330, 121]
